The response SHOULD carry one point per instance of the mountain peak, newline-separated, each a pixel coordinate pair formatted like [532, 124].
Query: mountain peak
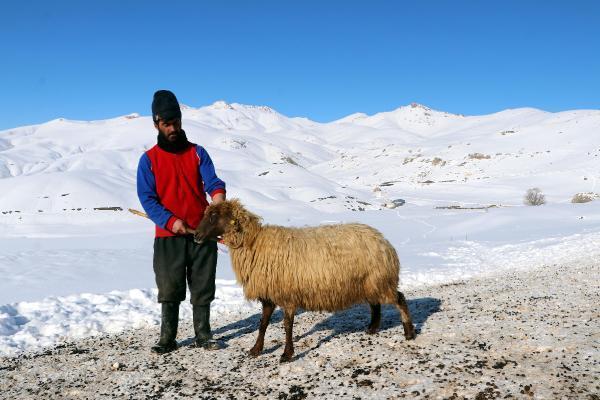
[420, 106]
[260, 108]
[221, 105]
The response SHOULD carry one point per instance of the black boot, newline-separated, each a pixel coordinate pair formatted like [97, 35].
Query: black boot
[168, 328]
[202, 329]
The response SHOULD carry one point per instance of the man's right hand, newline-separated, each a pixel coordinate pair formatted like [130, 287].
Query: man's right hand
[180, 228]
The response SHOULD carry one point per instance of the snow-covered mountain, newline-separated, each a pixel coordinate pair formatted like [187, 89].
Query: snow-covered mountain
[412, 152]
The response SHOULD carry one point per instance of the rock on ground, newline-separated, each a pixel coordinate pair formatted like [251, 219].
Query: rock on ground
[519, 335]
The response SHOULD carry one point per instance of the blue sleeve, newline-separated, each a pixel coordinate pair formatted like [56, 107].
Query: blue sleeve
[146, 190]
[207, 172]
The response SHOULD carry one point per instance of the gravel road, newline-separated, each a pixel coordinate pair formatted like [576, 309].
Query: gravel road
[521, 335]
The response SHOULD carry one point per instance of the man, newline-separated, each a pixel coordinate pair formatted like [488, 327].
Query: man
[172, 179]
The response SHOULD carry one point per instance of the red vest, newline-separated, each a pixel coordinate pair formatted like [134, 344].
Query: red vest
[179, 185]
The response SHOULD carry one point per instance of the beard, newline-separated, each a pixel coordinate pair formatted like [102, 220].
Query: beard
[171, 137]
[173, 142]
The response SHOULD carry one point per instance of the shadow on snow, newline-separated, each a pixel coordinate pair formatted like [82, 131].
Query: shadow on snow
[354, 319]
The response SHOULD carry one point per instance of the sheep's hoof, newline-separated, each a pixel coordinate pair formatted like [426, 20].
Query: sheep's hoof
[409, 332]
[254, 352]
[372, 331]
[285, 358]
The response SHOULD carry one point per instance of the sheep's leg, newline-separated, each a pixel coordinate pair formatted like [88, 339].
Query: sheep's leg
[267, 310]
[409, 328]
[289, 344]
[375, 319]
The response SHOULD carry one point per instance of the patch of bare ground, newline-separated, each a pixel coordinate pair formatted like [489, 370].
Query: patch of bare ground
[518, 335]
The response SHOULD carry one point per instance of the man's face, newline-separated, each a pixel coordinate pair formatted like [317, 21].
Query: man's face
[169, 129]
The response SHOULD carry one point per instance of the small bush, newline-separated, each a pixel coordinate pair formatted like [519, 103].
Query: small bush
[479, 156]
[438, 161]
[534, 197]
[289, 160]
[583, 197]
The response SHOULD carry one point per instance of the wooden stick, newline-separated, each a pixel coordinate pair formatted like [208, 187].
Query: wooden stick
[189, 231]
[136, 212]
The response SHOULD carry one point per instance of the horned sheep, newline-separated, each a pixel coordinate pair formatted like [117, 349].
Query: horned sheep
[323, 268]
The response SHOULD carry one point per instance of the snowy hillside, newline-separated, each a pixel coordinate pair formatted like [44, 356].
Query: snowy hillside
[57, 241]
[427, 156]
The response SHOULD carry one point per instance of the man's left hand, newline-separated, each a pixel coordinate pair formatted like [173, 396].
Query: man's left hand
[218, 198]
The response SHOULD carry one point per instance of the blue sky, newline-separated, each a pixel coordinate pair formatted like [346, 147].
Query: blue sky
[320, 59]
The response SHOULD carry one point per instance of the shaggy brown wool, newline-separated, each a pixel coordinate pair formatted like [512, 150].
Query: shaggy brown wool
[324, 268]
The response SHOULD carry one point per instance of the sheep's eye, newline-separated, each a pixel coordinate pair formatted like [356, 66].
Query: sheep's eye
[212, 218]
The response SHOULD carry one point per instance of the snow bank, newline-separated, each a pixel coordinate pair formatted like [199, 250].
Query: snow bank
[34, 325]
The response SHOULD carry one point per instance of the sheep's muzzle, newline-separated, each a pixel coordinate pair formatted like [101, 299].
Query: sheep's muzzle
[208, 229]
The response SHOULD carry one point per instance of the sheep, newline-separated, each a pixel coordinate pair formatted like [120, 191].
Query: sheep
[323, 268]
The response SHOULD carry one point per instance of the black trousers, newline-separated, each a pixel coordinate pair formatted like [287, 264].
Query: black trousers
[179, 258]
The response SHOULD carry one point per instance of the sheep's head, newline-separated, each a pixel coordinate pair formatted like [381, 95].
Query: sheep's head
[229, 220]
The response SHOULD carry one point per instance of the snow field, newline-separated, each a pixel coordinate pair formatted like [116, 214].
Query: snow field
[71, 270]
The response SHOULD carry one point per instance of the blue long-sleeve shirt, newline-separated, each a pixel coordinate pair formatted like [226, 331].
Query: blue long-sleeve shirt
[172, 186]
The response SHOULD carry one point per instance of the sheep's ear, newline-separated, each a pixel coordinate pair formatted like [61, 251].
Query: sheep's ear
[234, 225]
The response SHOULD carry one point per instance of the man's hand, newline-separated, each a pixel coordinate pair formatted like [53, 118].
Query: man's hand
[219, 197]
[180, 228]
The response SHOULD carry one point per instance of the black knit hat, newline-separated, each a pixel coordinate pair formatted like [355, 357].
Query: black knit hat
[165, 106]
